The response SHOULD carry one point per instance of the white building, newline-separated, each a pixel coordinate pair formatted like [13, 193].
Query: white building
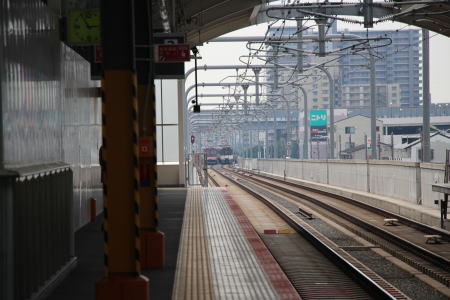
[439, 142]
[353, 131]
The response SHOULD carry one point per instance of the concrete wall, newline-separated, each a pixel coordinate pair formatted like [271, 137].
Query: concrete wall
[168, 174]
[349, 174]
[394, 179]
[407, 181]
[430, 173]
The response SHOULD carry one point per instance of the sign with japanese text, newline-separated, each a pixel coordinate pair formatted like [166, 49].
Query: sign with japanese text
[172, 53]
[319, 133]
[318, 117]
[318, 124]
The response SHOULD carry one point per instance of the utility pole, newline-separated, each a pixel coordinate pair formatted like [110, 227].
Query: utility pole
[365, 144]
[392, 146]
[245, 88]
[331, 98]
[426, 95]
[318, 150]
[305, 123]
[305, 98]
[379, 146]
[340, 147]
[373, 106]
[257, 71]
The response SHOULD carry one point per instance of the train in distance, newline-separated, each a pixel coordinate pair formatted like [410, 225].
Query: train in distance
[221, 155]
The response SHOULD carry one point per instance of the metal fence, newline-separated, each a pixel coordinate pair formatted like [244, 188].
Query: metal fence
[37, 236]
[195, 171]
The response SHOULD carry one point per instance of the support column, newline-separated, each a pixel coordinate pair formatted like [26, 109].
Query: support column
[305, 123]
[426, 153]
[331, 95]
[245, 88]
[257, 71]
[152, 240]
[373, 106]
[122, 280]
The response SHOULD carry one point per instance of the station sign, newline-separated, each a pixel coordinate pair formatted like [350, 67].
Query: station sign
[174, 69]
[318, 124]
[167, 53]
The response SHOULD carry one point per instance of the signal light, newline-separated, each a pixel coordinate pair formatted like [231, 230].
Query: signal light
[192, 139]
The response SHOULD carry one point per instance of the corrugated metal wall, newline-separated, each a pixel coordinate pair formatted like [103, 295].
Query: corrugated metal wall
[81, 132]
[6, 237]
[48, 116]
[49, 113]
[43, 243]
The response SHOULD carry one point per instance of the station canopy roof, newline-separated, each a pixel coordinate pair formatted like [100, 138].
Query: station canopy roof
[203, 20]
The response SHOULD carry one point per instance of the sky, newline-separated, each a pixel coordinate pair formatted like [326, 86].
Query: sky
[228, 54]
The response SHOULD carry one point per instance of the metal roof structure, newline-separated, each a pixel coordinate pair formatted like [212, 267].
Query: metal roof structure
[203, 20]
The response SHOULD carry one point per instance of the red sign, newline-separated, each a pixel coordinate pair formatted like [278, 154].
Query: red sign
[98, 54]
[172, 52]
[144, 146]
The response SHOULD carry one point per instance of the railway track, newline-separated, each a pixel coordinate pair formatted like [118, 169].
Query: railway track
[320, 278]
[399, 241]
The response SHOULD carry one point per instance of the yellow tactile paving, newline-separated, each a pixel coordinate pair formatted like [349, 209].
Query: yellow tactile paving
[260, 216]
[193, 277]
[215, 258]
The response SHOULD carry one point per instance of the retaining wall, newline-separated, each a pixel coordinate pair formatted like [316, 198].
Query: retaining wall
[407, 181]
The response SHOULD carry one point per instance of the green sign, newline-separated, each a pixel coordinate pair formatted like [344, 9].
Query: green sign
[83, 27]
[318, 117]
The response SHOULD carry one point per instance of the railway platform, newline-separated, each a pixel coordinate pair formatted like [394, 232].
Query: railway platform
[212, 252]
[80, 283]
[221, 256]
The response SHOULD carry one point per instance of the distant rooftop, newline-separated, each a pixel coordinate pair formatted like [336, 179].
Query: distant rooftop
[436, 109]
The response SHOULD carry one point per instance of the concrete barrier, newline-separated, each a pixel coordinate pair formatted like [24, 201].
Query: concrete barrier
[348, 174]
[395, 179]
[406, 181]
[431, 173]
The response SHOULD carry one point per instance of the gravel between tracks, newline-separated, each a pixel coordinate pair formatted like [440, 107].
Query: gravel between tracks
[406, 282]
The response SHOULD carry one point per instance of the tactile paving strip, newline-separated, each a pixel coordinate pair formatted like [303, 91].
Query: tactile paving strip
[193, 274]
[219, 258]
[236, 270]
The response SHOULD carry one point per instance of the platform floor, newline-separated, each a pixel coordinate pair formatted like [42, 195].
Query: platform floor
[221, 256]
[80, 284]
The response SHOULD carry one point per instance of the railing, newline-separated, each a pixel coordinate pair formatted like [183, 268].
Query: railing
[196, 167]
[37, 236]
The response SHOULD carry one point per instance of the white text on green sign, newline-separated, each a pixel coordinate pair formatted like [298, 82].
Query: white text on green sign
[318, 117]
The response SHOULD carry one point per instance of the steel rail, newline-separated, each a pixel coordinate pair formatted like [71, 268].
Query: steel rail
[423, 253]
[362, 279]
[402, 219]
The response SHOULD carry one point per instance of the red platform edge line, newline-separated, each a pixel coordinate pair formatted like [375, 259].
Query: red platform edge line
[279, 280]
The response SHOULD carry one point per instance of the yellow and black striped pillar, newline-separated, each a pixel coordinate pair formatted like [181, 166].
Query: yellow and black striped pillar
[152, 239]
[120, 151]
